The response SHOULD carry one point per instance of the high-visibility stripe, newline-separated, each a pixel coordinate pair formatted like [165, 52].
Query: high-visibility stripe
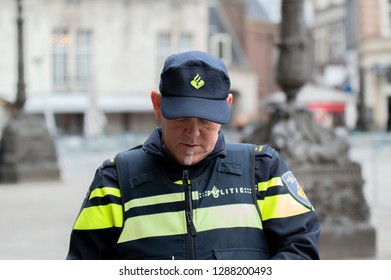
[281, 206]
[162, 224]
[99, 217]
[227, 216]
[180, 182]
[101, 192]
[158, 199]
[153, 200]
[260, 206]
[273, 182]
[173, 223]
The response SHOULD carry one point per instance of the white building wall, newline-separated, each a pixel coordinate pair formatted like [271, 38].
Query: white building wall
[124, 51]
[245, 83]
[124, 40]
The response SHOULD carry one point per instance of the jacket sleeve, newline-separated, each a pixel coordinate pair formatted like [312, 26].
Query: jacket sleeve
[289, 220]
[99, 222]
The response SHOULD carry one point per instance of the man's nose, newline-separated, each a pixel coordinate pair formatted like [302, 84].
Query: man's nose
[192, 127]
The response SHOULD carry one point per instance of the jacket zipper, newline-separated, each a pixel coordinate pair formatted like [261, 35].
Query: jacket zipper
[191, 230]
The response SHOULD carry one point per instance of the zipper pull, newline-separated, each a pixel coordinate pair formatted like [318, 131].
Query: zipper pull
[189, 207]
[193, 231]
[185, 177]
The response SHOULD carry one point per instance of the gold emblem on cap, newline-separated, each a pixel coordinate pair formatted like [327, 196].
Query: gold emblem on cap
[197, 82]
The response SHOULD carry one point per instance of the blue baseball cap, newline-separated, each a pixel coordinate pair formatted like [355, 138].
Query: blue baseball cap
[195, 84]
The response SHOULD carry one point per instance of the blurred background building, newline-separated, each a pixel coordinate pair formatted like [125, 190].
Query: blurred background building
[90, 65]
[352, 41]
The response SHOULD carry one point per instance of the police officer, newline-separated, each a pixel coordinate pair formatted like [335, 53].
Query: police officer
[188, 194]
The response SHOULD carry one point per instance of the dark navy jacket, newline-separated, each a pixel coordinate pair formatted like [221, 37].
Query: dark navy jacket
[241, 202]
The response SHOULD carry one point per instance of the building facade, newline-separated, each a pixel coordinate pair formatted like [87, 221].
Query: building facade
[353, 53]
[90, 65]
[374, 50]
[329, 29]
[254, 37]
[261, 44]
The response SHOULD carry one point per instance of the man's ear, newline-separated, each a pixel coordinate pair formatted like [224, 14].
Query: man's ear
[230, 98]
[155, 98]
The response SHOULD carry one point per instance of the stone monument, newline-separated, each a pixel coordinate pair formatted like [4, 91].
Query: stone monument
[27, 150]
[318, 156]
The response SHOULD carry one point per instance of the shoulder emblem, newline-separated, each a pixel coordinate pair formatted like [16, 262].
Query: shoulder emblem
[108, 162]
[295, 189]
[264, 150]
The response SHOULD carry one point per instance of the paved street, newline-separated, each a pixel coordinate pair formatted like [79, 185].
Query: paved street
[36, 218]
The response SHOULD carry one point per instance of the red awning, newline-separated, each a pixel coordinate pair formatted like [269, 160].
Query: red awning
[328, 107]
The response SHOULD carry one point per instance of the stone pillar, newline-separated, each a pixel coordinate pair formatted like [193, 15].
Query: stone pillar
[27, 150]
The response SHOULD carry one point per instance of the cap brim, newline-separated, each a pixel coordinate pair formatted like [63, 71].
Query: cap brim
[217, 111]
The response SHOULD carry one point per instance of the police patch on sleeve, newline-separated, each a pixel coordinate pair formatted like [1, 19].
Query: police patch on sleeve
[295, 189]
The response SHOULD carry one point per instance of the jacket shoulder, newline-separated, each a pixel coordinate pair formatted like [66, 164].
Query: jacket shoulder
[110, 162]
[264, 151]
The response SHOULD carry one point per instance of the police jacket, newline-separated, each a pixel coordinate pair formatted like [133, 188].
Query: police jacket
[241, 202]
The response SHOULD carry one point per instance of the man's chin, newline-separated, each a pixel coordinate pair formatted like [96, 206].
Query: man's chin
[188, 160]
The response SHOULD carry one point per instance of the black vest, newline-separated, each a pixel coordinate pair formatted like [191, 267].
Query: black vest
[215, 216]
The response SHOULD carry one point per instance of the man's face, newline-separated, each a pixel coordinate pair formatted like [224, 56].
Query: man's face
[189, 140]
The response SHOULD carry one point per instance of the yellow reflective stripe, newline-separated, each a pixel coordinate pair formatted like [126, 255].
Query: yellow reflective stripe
[158, 199]
[153, 200]
[227, 216]
[173, 223]
[281, 206]
[260, 205]
[180, 182]
[273, 182]
[162, 224]
[99, 217]
[101, 192]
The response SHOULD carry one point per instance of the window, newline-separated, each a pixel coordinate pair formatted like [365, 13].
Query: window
[321, 47]
[163, 47]
[185, 42]
[337, 43]
[71, 59]
[69, 124]
[60, 53]
[83, 59]
[221, 47]
[168, 43]
[163, 50]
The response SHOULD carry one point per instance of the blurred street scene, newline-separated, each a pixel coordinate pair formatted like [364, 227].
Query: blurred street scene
[76, 77]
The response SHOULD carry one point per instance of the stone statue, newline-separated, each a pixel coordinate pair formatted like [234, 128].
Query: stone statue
[302, 141]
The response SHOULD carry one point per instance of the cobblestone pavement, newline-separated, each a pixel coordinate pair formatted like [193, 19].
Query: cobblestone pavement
[36, 217]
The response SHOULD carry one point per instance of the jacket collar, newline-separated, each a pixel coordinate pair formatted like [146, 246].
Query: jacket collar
[154, 145]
